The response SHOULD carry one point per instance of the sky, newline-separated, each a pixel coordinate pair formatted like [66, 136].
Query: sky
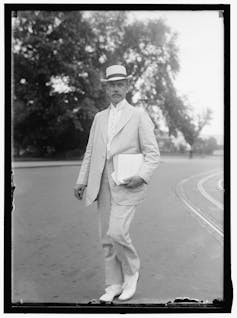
[200, 42]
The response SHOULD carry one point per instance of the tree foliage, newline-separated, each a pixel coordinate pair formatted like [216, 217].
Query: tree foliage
[74, 48]
[205, 146]
[48, 45]
[192, 127]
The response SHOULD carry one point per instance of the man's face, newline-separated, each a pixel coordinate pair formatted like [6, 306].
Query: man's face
[117, 90]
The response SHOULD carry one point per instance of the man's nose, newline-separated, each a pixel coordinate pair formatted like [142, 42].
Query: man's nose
[115, 87]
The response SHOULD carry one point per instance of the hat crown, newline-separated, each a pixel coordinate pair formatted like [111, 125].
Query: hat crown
[116, 73]
[116, 70]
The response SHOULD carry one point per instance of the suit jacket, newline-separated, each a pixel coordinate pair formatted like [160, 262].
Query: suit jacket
[134, 133]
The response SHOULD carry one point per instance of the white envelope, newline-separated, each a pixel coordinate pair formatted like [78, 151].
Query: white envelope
[126, 166]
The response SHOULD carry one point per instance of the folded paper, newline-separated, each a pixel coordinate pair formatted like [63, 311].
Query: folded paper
[126, 166]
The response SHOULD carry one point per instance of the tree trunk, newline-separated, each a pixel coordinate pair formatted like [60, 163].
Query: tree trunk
[191, 153]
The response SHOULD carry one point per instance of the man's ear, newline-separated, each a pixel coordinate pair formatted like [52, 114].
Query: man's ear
[129, 84]
[105, 87]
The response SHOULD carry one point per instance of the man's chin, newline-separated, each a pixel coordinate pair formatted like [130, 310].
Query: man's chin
[116, 100]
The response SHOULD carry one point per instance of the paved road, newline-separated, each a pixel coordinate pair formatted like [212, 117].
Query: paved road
[57, 256]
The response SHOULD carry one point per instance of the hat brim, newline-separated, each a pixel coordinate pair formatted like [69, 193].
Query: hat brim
[116, 79]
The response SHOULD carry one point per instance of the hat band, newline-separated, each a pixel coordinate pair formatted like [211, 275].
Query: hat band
[116, 75]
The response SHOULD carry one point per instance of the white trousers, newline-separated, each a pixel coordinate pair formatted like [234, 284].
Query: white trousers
[120, 255]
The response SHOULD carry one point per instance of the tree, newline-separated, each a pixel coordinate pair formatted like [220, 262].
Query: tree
[47, 45]
[74, 48]
[192, 128]
[150, 54]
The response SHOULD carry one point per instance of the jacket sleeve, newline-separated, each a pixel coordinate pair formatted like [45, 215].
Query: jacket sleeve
[85, 166]
[149, 147]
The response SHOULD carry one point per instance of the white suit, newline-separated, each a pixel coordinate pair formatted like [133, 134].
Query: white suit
[116, 204]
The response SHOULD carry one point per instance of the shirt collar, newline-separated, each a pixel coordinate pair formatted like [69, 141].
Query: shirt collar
[119, 106]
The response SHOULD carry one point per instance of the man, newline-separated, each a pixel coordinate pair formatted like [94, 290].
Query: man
[120, 129]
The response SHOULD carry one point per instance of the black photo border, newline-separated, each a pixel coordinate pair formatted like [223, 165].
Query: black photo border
[217, 306]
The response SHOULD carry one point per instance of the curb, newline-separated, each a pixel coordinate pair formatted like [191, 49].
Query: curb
[21, 165]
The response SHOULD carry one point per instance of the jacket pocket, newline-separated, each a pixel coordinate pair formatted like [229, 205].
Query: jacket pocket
[136, 189]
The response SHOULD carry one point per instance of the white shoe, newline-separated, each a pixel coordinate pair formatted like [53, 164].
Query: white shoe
[129, 287]
[111, 292]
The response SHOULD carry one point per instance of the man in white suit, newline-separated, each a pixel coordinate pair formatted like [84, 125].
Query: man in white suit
[119, 129]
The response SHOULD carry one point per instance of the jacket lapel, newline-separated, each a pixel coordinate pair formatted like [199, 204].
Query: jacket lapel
[104, 125]
[125, 116]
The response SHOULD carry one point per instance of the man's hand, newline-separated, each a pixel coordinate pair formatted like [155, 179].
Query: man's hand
[79, 190]
[133, 182]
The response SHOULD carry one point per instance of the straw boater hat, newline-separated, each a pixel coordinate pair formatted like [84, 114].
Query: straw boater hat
[116, 73]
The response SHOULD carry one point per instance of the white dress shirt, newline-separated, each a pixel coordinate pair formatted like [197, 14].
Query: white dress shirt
[114, 116]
